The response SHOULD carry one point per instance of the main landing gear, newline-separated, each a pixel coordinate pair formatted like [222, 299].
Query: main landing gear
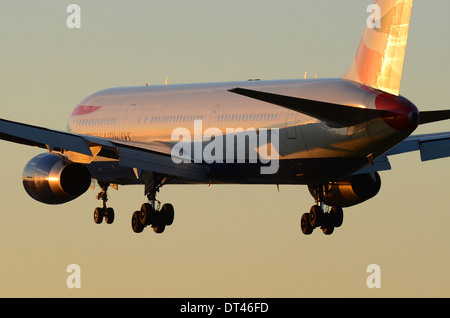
[326, 220]
[152, 214]
[157, 218]
[320, 215]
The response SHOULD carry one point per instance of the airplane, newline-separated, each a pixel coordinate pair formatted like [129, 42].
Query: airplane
[333, 135]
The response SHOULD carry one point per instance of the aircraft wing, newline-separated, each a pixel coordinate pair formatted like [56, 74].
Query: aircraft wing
[431, 147]
[153, 156]
[156, 156]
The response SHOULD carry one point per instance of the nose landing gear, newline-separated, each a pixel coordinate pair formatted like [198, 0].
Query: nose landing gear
[103, 212]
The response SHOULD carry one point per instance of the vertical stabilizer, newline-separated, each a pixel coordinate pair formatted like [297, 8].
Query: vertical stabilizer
[379, 60]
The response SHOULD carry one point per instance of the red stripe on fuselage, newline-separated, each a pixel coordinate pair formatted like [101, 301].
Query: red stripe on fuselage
[84, 109]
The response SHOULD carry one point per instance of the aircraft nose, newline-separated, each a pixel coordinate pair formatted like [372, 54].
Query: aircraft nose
[404, 115]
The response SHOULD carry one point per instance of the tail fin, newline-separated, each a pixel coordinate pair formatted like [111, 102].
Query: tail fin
[379, 59]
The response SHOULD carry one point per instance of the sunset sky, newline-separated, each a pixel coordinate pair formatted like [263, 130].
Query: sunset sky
[226, 241]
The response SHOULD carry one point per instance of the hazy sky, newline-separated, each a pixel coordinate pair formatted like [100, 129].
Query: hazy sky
[226, 241]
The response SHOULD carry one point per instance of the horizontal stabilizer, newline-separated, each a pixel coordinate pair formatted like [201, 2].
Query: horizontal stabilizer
[427, 117]
[334, 115]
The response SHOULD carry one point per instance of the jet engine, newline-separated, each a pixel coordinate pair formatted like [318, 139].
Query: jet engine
[350, 191]
[53, 179]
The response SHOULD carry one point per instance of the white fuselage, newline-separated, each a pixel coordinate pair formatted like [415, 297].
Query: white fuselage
[309, 150]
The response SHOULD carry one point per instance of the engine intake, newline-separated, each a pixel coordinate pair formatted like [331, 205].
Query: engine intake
[351, 191]
[52, 179]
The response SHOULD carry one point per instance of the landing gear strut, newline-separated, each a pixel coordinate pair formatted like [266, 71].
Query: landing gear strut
[320, 215]
[103, 212]
[152, 213]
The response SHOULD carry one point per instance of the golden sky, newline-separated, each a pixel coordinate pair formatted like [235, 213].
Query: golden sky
[226, 241]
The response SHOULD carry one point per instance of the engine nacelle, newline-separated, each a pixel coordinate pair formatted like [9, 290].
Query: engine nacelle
[351, 191]
[52, 179]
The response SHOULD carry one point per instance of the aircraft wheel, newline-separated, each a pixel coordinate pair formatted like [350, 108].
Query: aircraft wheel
[328, 230]
[315, 216]
[98, 215]
[109, 215]
[328, 224]
[136, 224]
[146, 214]
[159, 228]
[337, 215]
[305, 224]
[168, 213]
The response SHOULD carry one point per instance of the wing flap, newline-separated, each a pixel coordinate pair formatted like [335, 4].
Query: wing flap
[431, 150]
[431, 146]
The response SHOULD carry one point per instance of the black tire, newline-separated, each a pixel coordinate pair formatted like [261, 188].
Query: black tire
[136, 224]
[168, 213]
[159, 228]
[109, 215]
[146, 214]
[315, 216]
[337, 216]
[328, 230]
[98, 215]
[305, 225]
[328, 224]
